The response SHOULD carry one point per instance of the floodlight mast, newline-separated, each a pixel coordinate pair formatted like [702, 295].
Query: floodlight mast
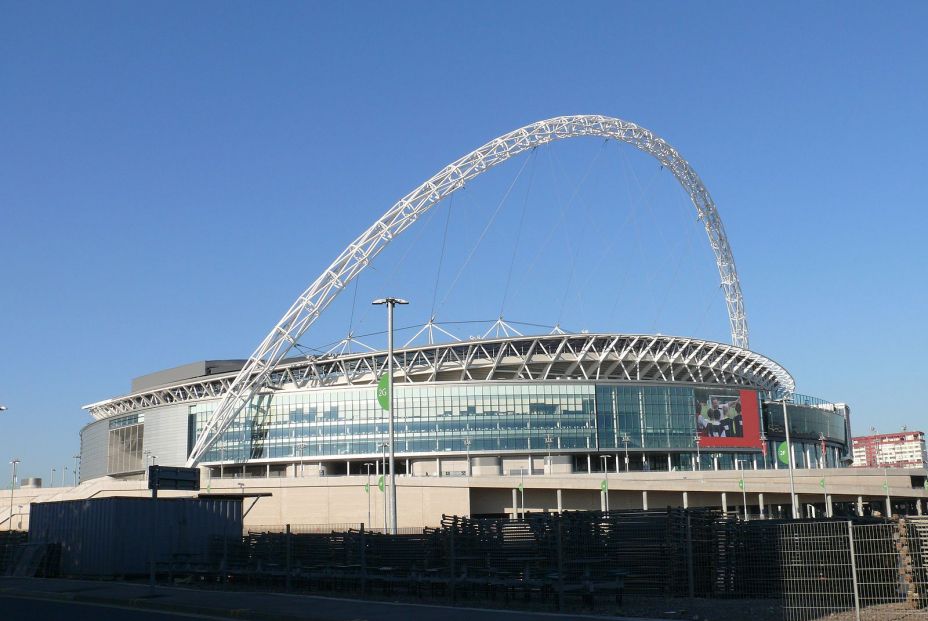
[256, 372]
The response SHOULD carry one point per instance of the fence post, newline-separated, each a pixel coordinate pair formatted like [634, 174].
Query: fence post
[689, 555]
[560, 565]
[289, 570]
[453, 564]
[850, 537]
[363, 544]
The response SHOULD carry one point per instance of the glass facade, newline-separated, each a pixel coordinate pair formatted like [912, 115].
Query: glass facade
[126, 439]
[501, 418]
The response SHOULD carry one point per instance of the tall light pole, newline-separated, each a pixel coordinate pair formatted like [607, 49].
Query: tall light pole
[51, 479]
[390, 304]
[77, 467]
[13, 462]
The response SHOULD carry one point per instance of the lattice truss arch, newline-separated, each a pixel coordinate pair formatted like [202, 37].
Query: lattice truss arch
[567, 357]
[310, 304]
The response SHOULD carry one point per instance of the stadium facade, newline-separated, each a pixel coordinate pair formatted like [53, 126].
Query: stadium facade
[492, 426]
[564, 403]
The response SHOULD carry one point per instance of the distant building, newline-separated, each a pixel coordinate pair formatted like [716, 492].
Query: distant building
[904, 449]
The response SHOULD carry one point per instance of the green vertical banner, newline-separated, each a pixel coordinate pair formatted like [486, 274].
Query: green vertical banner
[821, 483]
[380, 483]
[367, 488]
[604, 486]
[383, 391]
[741, 483]
[783, 453]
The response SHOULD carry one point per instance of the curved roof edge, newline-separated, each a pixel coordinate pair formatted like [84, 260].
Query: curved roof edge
[583, 357]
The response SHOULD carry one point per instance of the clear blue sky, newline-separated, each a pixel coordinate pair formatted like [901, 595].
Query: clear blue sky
[173, 174]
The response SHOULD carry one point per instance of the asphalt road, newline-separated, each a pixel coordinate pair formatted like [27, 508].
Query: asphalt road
[27, 609]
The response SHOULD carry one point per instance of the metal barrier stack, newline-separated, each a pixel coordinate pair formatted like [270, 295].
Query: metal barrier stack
[807, 569]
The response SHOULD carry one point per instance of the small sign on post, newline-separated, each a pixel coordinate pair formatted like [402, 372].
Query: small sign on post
[165, 477]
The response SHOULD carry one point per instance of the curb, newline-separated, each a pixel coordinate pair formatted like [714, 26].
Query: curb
[153, 605]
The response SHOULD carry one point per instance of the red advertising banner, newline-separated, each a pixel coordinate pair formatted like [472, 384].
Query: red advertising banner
[728, 420]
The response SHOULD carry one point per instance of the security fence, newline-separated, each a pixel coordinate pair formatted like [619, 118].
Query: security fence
[795, 570]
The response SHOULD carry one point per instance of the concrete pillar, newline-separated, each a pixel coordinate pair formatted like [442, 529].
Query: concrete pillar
[560, 505]
[918, 506]
[589, 463]
[724, 502]
[686, 500]
[515, 504]
[602, 501]
[407, 468]
[437, 467]
[267, 471]
[347, 467]
[644, 500]
[829, 508]
[760, 504]
[860, 505]
[377, 467]
[669, 463]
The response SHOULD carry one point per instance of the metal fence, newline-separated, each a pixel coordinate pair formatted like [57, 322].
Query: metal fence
[845, 570]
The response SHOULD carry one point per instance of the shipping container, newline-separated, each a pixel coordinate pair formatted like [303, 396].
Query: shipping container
[110, 537]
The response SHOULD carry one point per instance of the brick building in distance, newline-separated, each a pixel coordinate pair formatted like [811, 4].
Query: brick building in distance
[902, 449]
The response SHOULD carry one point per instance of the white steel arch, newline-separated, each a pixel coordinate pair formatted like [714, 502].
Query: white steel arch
[309, 305]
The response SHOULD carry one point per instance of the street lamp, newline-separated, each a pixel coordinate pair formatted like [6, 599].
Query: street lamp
[301, 446]
[698, 454]
[626, 439]
[549, 440]
[368, 466]
[789, 459]
[744, 491]
[467, 442]
[51, 479]
[13, 462]
[390, 304]
[77, 466]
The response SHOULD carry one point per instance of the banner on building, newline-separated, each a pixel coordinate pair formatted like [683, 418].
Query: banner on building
[728, 418]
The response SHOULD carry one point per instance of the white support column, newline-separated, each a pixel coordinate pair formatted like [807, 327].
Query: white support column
[515, 504]
[760, 504]
[724, 502]
[860, 505]
[644, 500]
[829, 508]
[589, 464]
[686, 500]
[438, 466]
[602, 501]
[669, 463]
[560, 504]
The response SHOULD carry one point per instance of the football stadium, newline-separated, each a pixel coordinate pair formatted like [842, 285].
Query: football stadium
[496, 424]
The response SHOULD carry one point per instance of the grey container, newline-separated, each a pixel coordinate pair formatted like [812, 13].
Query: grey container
[106, 537]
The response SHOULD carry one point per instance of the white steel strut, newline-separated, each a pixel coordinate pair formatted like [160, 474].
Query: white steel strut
[316, 298]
